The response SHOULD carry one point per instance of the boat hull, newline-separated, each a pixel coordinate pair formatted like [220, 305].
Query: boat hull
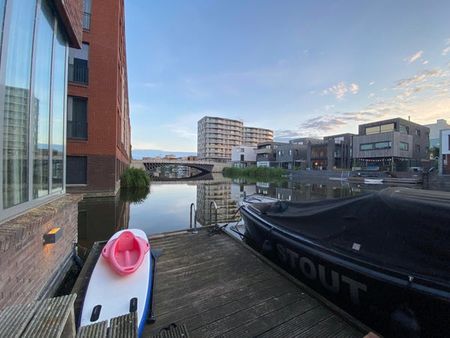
[387, 301]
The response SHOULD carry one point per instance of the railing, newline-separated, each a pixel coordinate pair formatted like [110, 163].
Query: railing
[193, 211]
[79, 73]
[211, 205]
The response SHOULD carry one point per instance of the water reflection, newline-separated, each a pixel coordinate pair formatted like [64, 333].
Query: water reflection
[100, 218]
[166, 206]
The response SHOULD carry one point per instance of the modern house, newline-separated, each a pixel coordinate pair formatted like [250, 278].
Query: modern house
[339, 151]
[393, 144]
[243, 156]
[38, 220]
[267, 154]
[435, 132]
[216, 136]
[444, 156]
[98, 123]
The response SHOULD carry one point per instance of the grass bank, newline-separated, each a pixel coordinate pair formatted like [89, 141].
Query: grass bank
[135, 178]
[261, 172]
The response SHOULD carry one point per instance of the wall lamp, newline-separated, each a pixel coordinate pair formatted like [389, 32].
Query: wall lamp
[52, 236]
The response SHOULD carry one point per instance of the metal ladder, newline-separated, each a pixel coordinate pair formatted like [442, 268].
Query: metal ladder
[193, 216]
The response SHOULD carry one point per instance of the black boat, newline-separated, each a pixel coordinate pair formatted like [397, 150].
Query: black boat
[382, 256]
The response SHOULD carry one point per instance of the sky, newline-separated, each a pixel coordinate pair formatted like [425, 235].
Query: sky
[301, 68]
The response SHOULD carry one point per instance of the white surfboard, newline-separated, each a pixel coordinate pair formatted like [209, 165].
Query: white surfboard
[110, 294]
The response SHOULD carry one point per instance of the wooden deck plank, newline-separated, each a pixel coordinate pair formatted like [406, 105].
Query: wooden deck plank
[97, 330]
[124, 326]
[294, 326]
[14, 319]
[53, 318]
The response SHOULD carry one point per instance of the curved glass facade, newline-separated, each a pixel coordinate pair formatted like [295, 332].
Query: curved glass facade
[32, 104]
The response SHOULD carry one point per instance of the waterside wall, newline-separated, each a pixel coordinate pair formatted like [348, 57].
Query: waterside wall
[29, 269]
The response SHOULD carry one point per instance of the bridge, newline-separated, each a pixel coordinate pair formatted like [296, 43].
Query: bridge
[204, 167]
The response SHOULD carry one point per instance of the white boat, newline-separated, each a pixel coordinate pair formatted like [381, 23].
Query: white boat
[121, 281]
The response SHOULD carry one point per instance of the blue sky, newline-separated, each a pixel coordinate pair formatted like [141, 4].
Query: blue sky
[301, 68]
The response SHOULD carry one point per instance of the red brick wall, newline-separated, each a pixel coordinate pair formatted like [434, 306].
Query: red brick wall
[71, 14]
[107, 58]
[101, 175]
[27, 266]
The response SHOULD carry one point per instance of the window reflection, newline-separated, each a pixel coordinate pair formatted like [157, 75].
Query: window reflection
[59, 97]
[41, 105]
[17, 65]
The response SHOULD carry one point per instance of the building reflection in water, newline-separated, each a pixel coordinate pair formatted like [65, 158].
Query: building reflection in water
[219, 192]
[100, 218]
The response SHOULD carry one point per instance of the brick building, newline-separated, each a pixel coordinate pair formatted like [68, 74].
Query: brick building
[98, 124]
[35, 36]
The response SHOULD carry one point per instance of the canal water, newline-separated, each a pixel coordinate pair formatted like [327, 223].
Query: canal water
[166, 206]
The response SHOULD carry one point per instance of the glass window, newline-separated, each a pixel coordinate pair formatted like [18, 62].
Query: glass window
[58, 100]
[418, 132]
[41, 101]
[76, 170]
[77, 117]
[387, 127]
[87, 4]
[404, 129]
[383, 145]
[78, 64]
[417, 148]
[366, 146]
[372, 130]
[2, 16]
[404, 146]
[17, 65]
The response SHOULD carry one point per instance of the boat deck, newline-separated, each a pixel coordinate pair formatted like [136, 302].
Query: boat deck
[217, 286]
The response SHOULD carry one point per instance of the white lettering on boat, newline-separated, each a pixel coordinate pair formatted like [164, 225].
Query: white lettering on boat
[314, 272]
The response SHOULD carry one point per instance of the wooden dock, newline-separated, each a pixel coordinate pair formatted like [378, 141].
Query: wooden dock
[218, 287]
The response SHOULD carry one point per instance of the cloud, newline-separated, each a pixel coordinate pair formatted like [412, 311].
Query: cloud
[425, 62]
[341, 89]
[416, 56]
[446, 50]
[354, 88]
[371, 83]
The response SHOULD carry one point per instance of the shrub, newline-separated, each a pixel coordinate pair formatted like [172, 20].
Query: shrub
[134, 178]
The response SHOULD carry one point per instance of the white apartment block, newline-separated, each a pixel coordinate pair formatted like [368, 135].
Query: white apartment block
[216, 136]
[252, 136]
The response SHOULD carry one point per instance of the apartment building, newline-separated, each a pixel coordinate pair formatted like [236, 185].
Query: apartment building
[98, 124]
[393, 144]
[252, 136]
[216, 136]
[34, 40]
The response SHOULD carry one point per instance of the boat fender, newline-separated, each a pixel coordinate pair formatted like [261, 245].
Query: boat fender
[404, 323]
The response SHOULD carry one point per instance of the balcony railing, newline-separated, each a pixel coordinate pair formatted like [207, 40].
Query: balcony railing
[79, 72]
